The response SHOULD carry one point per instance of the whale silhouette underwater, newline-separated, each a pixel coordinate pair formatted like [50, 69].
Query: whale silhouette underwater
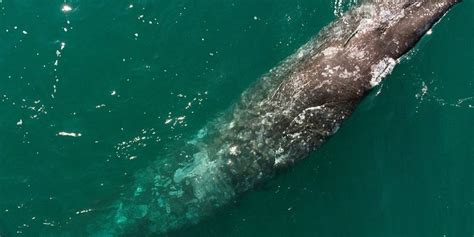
[281, 119]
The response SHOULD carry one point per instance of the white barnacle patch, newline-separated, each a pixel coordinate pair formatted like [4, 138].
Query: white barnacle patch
[281, 160]
[307, 113]
[278, 161]
[280, 151]
[390, 17]
[357, 54]
[366, 25]
[326, 82]
[346, 74]
[302, 52]
[330, 51]
[328, 71]
[381, 70]
[234, 150]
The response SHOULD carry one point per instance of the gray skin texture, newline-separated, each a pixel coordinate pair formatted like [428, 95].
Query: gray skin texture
[284, 116]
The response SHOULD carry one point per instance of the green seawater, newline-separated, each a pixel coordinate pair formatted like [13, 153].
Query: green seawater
[93, 91]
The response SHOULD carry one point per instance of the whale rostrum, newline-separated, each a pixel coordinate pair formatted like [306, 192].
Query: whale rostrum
[285, 115]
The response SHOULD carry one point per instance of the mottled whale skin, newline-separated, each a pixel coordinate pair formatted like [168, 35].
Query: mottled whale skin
[287, 114]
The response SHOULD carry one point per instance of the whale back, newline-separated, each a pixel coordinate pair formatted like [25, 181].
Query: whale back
[284, 116]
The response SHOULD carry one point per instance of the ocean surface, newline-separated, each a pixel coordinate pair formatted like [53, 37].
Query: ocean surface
[93, 91]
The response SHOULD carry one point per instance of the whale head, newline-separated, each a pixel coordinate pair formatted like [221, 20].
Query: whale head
[412, 20]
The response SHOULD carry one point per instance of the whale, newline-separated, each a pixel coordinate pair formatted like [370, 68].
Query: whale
[284, 116]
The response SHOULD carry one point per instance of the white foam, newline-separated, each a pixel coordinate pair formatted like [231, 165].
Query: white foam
[66, 8]
[69, 134]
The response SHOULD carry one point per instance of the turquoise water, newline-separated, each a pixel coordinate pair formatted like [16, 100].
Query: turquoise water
[91, 94]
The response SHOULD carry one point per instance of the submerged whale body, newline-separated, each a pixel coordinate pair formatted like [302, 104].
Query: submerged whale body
[287, 114]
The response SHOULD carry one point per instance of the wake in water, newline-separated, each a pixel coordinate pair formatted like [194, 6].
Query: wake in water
[429, 95]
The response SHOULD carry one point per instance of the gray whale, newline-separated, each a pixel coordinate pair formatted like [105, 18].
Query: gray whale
[288, 113]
